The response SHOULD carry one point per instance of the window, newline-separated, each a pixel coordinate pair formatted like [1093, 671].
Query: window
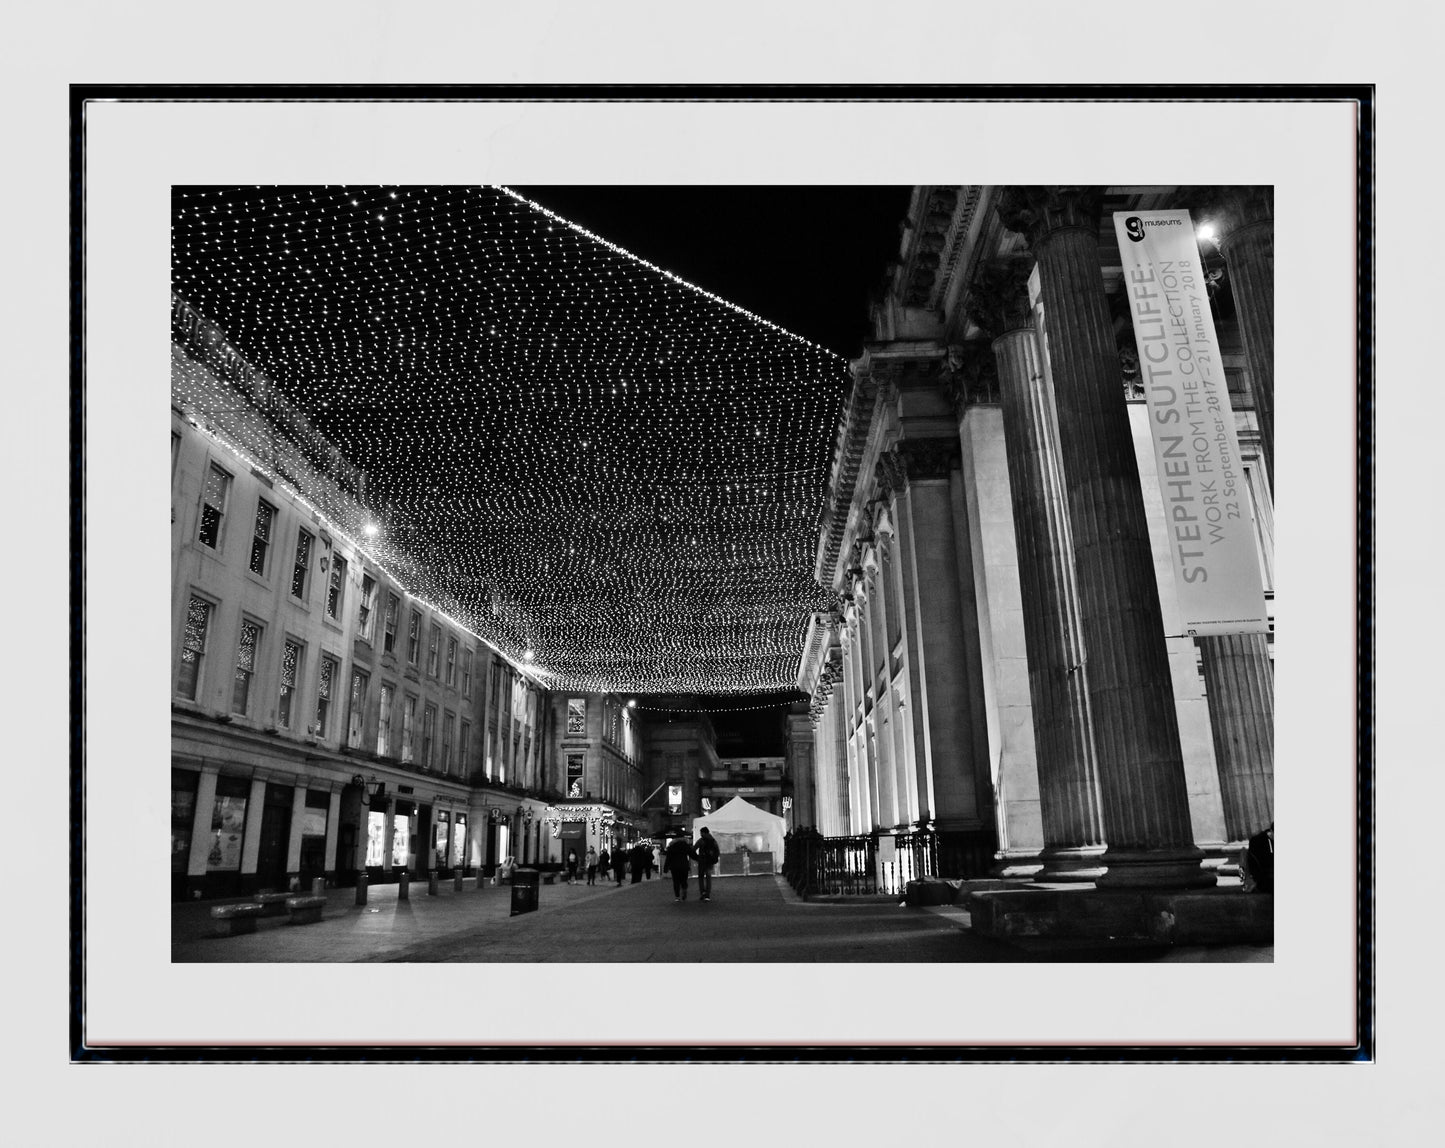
[383, 721]
[428, 731]
[357, 718]
[335, 587]
[301, 565]
[213, 506]
[446, 763]
[413, 637]
[574, 774]
[388, 637]
[193, 647]
[290, 669]
[576, 716]
[433, 649]
[323, 694]
[245, 666]
[467, 672]
[364, 619]
[175, 453]
[261, 536]
[464, 749]
[451, 660]
[408, 727]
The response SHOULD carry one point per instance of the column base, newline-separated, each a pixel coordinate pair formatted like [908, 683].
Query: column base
[1076, 863]
[1016, 863]
[1155, 869]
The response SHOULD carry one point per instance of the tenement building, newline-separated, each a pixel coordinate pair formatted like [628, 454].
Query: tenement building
[1012, 682]
[325, 721]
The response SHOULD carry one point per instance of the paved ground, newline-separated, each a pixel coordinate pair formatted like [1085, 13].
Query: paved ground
[749, 919]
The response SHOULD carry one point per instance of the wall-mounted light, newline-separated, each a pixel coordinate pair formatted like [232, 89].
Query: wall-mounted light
[370, 787]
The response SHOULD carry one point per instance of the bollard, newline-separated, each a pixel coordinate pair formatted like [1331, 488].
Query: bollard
[431, 883]
[361, 879]
[457, 882]
[318, 887]
[403, 886]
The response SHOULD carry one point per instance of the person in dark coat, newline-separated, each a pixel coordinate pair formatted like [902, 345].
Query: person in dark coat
[604, 863]
[705, 853]
[636, 861]
[675, 861]
[619, 863]
[1259, 862]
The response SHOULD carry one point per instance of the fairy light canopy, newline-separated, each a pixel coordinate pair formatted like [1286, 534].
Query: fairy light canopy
[591, 463]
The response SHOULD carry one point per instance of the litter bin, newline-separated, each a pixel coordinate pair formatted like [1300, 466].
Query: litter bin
[524, 890]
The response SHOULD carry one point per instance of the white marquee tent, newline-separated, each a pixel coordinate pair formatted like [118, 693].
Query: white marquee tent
[738, 824]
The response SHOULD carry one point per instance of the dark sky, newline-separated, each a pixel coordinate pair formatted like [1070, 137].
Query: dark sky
[806, 258]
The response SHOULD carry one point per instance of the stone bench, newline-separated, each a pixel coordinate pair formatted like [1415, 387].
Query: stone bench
[273, 904]
[233, 920]
[305, 910]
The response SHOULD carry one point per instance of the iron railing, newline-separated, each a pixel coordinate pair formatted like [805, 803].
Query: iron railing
[881, 862]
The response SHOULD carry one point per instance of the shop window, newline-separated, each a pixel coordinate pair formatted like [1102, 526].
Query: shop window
[365, 621]
[428, 731]
[246, 650]
[335, 587]
[261, 536]
[228, 825]
[459, 841]
[193, 647]
[451, 660]
[383, 723]
[291, 655]
[388, 636]
[324, 682]
[356, 720]
[213, 506]
[301, 565]
[376, 838]
[433, 650]
[408, 727]
[183, 817]
[575, 762]
[413, 637]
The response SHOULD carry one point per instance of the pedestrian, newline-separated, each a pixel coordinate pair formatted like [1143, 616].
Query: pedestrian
[591, 865]
[705, 852]
[675, 861]
[649, 859]
[619, 863]
[604, 862]
[637, 862]
[571, 866]
[1257, 872]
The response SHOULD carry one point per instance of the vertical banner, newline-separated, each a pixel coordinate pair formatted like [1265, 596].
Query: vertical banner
[1206, 503]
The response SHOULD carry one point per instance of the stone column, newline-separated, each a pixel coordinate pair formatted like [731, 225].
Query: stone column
[1246, 240]
[1069, 798]
[1136, 730]
[951, 777]
[1239, 687]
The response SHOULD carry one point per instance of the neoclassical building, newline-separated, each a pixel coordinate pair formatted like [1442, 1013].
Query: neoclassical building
[1005, 686]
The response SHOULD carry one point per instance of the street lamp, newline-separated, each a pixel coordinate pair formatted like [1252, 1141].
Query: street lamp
[371, 788]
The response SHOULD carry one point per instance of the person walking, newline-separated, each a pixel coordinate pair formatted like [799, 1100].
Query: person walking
[705, 852]
[604, 862]
[591, 865]
[636, 862]
[619, 862]
[649, 860]
[571, 866]
[675, 861]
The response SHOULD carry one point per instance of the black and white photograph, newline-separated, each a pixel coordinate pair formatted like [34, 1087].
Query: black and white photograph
[788, 583]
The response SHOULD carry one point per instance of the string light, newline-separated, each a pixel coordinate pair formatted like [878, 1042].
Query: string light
[576, 453]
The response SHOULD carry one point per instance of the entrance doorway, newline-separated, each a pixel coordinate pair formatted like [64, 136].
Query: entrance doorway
[275, 838]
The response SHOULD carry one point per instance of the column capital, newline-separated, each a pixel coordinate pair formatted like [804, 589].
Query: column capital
[1038, 212]
[926, 458]
[998, 300]
[1232, 210]
[973, 374]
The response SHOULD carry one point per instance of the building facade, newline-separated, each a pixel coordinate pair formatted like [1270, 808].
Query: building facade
[1005, 671]
[325, 721]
